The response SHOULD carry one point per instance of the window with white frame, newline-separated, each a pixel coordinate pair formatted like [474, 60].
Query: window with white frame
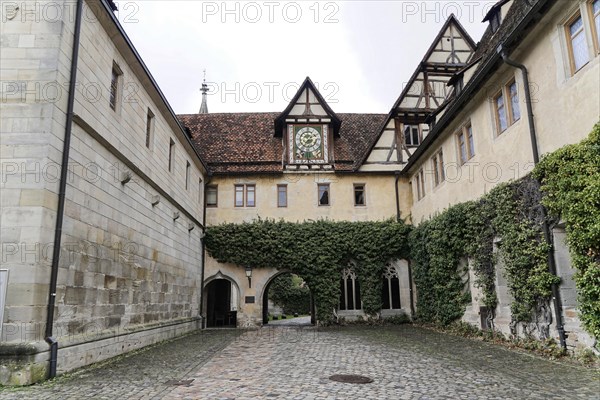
[324, 194]
[212, 196]
[360, 194]
[282, 196]
[350, 291]
[245, 195]
[412, 135]
[420, 184]
[595, 14]
[466, 144]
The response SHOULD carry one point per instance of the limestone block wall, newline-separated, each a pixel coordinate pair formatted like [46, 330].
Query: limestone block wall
[130, 265]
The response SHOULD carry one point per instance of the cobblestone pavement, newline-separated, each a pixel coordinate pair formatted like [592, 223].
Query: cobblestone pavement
[405, 362]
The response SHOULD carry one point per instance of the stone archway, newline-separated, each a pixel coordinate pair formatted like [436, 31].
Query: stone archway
[221, 301]
[265, 299]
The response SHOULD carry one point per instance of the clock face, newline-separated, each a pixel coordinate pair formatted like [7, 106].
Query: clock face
[308, 139]
[308, 144]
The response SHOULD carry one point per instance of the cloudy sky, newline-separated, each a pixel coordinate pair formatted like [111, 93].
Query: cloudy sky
[256, 53]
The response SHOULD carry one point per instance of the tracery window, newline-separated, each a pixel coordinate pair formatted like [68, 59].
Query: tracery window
[350, 291]
[390, 295]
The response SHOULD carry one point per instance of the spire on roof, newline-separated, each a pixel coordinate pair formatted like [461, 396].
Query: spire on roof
[204, 90]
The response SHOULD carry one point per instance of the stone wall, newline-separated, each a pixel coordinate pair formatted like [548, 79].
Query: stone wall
[129, 271]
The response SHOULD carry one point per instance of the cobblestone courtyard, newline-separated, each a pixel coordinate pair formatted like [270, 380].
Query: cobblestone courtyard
[295, 362]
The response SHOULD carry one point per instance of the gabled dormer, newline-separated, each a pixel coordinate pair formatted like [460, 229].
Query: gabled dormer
[308, 127]
[426, 91]
[496, 14]
[448, 54]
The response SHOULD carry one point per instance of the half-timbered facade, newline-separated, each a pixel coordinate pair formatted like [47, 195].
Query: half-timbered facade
[427, 90]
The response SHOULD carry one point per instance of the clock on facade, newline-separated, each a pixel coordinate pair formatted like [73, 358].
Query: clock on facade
[308, 139]
[308, 144]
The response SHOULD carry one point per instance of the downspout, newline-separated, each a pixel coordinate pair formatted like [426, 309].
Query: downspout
[60, 211]
[203, 253]
[545, 227]
[397, 196]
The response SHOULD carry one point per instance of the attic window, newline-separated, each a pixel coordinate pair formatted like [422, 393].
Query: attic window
[458, 85]
[412, 135]
[495, 20]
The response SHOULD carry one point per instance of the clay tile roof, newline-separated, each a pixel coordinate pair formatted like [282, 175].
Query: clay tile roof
[245, 143]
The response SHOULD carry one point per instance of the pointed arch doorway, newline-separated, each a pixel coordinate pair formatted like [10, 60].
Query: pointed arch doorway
[222, 298]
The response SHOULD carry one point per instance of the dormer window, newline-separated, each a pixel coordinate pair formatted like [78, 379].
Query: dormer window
[495, 20]
[495, 15]
[458, 85]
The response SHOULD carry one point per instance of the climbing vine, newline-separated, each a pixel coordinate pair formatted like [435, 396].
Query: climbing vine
[571, 186]
[509, 214]
[316, 251]
[509, 219]
[437, 247]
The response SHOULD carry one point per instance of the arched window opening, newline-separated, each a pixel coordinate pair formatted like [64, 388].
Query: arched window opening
[350, 291]
[390, 295]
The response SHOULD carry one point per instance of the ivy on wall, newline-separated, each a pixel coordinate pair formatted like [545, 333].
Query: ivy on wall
[316, 251]
[437, 247]
[571, 186]
[510, 215]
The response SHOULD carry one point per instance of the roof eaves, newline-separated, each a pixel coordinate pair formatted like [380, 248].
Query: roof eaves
[108, 6]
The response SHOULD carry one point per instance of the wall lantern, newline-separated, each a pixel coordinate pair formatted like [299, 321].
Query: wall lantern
[249, 275]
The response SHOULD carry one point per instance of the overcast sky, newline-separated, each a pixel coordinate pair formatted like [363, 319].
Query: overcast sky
[359, 53]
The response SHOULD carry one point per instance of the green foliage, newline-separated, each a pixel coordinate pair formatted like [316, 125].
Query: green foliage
[317, 251]
[571, 185]
[287, 291]
[437, 247]
[510, 212]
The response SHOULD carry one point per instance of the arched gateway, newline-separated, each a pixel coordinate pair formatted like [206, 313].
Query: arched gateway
[265, 299]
